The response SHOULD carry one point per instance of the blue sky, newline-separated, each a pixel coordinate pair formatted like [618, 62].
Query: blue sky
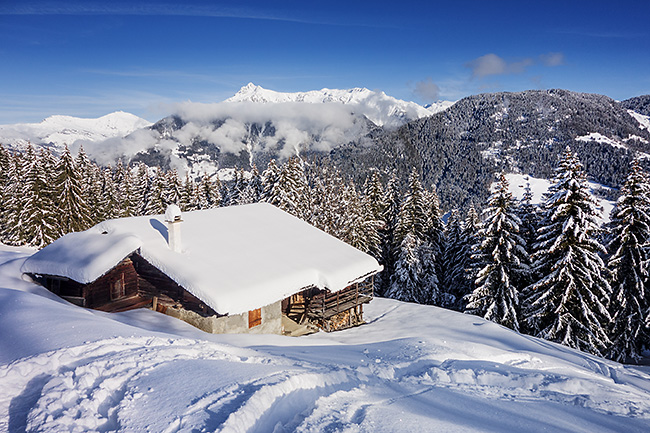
[89, 58]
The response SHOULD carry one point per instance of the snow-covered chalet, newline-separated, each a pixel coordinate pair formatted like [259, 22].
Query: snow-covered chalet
[244, 268]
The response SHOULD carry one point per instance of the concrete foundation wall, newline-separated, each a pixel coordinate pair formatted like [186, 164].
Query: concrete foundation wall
[233, 324]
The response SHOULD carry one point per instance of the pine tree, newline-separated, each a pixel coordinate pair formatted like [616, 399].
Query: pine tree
[390, 214]
[327, 205]
[270, 179]
[413, 214]
[127, 191]
[109, 202]
[189, 200]
[498, 283]
[415, 221]
[430, 290]
[141, 189]
[156, 203]
[38, 212]
[93, 196]
[209, 193]
[455, 260]
[290, 190]
[472, 261]
[529, 215]
[405, 284]
[252, 193]
[14, 233]
[629, 245]
[73, 213]
[359, 227]
[172, 188]
[432, 249]
[568, 302]
[6, 168]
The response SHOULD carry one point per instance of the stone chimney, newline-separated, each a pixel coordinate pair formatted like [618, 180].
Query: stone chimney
[174, 220]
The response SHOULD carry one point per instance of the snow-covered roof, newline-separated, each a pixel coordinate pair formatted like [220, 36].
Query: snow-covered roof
[234, 259]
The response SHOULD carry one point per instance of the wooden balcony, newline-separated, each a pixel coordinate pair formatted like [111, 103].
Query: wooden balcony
[326, 305]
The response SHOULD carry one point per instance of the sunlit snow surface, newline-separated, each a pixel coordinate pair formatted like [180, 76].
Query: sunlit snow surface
[411, 368]
[538, 187]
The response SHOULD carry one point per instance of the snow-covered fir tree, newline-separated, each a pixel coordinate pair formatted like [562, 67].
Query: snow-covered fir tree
[432, 249]
[505, 259]
[73, 212]
[6, 168]
[568, 302]
[38, 212]
[110, 204]
[391, 206]
[156, 203]
[360, 229]
[189, 199]
[14, 198]
[455, 258]
[129, 202]
[252, 193]
[629, 245]
[209, 193]
[415, 220]
[269, 179]
[405, 283]
[529, 215]
[172, 189]
[471, 260]
[414, 212]
[141, 189]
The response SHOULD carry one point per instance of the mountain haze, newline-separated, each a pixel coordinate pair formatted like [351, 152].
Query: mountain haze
[57, 131]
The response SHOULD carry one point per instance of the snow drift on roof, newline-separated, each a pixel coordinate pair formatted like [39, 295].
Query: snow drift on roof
[234, 259]
[82, 257]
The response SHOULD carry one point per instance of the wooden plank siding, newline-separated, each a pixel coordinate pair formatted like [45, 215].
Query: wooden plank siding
[132, 283]
[153, 282]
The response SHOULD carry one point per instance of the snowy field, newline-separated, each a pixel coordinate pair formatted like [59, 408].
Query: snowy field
[538, 187]
[410, 369]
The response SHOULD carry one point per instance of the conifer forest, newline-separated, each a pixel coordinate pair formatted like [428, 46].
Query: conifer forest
[547, 270]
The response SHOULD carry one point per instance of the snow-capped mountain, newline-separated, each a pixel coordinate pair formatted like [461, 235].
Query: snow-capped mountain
[381, 109]
[57, 131]
[258, 124]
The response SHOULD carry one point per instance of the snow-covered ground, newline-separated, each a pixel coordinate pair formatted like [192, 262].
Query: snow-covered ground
[539, 187]
[410, 368]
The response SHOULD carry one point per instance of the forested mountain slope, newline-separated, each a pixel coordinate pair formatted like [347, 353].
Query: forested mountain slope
[458, 150]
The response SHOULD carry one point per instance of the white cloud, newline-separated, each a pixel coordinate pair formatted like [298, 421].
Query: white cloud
[491, 64]
[552, 59]
[293, 128]
[427, 90]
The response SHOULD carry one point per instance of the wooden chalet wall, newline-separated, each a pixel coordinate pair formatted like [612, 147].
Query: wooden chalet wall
[132, 283]
[154, 283]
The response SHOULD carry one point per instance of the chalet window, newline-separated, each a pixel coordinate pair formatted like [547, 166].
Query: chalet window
[254, 317]
[117, 288]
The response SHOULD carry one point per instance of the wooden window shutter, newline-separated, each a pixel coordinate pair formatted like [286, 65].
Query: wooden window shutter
[254, 317]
